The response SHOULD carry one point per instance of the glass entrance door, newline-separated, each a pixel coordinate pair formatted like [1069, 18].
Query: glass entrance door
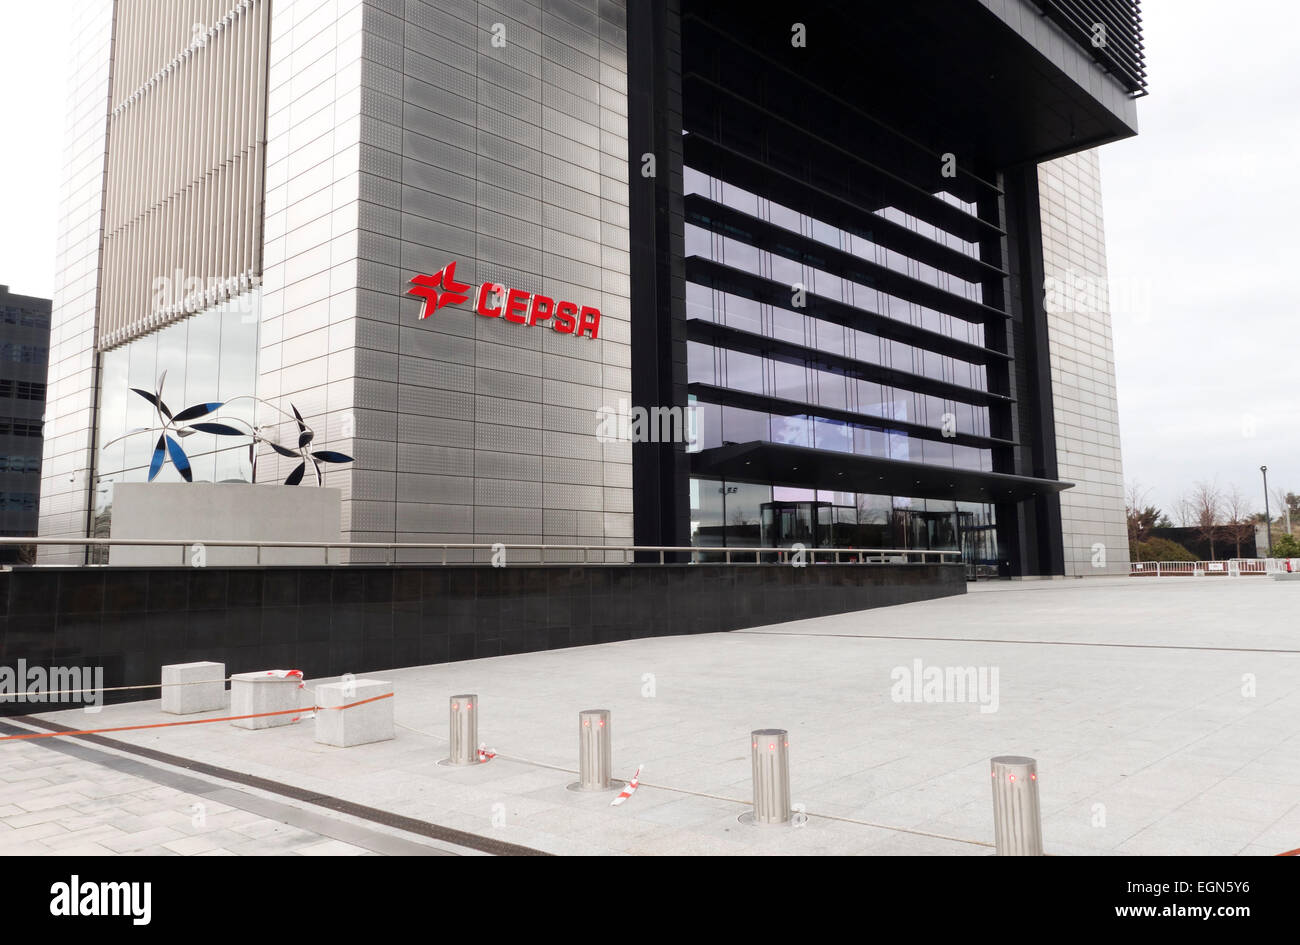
[785, 523]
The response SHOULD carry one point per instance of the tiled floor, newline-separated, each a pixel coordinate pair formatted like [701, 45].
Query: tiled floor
[1163, 715]
[53, 804]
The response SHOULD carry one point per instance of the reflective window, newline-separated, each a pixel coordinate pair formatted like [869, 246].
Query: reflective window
[740, 199]
[699, 242]
[208, 357]
[744, 503]
[788, 272]
[699, 301]
[788, 326]
[832, 390]
[790, 380]
[793, 431]
[740, 255]
[830, 336]
[707, 519]
[832, 435]
[744, 426]
[744, 314]
[784, 216]
[694, 182]
[700, 368]
[745, 372]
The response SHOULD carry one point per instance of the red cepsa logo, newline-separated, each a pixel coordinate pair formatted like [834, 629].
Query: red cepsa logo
[496, 301]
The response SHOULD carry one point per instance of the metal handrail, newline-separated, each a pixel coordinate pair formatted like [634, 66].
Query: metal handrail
[837, 555]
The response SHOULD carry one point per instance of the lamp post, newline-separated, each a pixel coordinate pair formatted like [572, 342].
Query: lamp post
[1268, 519]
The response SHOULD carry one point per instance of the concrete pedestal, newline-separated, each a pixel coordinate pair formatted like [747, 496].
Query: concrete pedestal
[254, 693]
[193, 687]
[359, 725]
[196, 512]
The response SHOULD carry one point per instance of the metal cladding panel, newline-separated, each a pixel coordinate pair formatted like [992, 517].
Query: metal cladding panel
[318, 264]
[1093, 522]
[70, 394]
[507, 126]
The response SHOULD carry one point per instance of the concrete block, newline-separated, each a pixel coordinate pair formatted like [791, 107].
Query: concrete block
[359, 725]
[254, 693]
[193, 687]
[221, 511]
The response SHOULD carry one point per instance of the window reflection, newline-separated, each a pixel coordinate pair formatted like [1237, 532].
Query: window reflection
[211, 356]
[784, 265]
[788, 262]
[733, 514]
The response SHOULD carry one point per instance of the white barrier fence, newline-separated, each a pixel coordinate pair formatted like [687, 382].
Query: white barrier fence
[1231, 567]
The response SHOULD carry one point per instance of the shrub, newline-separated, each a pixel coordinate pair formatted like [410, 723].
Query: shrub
[1286, 547]
[1160, 549]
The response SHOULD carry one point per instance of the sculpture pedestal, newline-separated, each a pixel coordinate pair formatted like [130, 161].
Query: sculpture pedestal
[200, 512]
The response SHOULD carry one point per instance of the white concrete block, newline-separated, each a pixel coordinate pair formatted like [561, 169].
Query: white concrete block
[193, 687]
[255, 693]
[372, 722]
[221, 511]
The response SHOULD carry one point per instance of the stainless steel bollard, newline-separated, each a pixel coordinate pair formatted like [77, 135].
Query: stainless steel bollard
[1017, 821]
[463, 730]
[594, 764]
[771, 759]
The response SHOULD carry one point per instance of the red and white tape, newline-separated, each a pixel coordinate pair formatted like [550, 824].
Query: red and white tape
[629, 790]
[292, 674]
[485, 754]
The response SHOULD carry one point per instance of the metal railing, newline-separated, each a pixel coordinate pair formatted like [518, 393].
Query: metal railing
[1231, 567]
[581, 554]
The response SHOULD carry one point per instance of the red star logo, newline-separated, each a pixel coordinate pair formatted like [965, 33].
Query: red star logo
[427, 288]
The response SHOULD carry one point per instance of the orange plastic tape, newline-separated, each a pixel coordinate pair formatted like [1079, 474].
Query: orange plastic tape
[228, 718]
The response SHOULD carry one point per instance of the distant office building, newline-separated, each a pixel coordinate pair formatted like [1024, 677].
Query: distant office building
[1081, 348]
[452, 233]
[24, 356]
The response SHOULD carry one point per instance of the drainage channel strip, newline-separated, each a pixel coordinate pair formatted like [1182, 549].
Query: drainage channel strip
[379, 842]
[910, 639]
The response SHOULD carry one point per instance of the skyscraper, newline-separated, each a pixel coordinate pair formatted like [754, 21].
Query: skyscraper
[24, 352]
[455, 235]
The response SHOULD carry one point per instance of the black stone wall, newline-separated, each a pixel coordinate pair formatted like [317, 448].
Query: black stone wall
[330, 620]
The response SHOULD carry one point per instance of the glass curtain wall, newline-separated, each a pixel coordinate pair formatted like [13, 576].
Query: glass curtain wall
[727, 514]
[208, 357]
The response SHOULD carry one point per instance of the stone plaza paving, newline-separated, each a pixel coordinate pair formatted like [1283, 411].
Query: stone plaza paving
[1164, 715]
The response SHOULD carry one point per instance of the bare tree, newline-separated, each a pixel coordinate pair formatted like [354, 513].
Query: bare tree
[1184, 512]
[1134, 496]
[1238, 521]
[1206, 508]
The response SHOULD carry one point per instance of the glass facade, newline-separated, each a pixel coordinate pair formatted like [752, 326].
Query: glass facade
[208, 357]
[841, 299]
[807, 377]
[727, 514]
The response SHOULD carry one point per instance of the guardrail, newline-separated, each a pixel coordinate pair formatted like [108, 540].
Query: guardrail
[1231, 567]
[571, 554]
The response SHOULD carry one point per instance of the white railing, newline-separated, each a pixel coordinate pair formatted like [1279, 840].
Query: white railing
[467, 552]
[1230, 567]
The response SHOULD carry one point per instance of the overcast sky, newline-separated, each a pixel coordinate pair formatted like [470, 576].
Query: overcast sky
[1201, 229]
[1201, 217]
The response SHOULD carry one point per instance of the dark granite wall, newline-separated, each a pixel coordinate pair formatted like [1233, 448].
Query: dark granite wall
[330, 620]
